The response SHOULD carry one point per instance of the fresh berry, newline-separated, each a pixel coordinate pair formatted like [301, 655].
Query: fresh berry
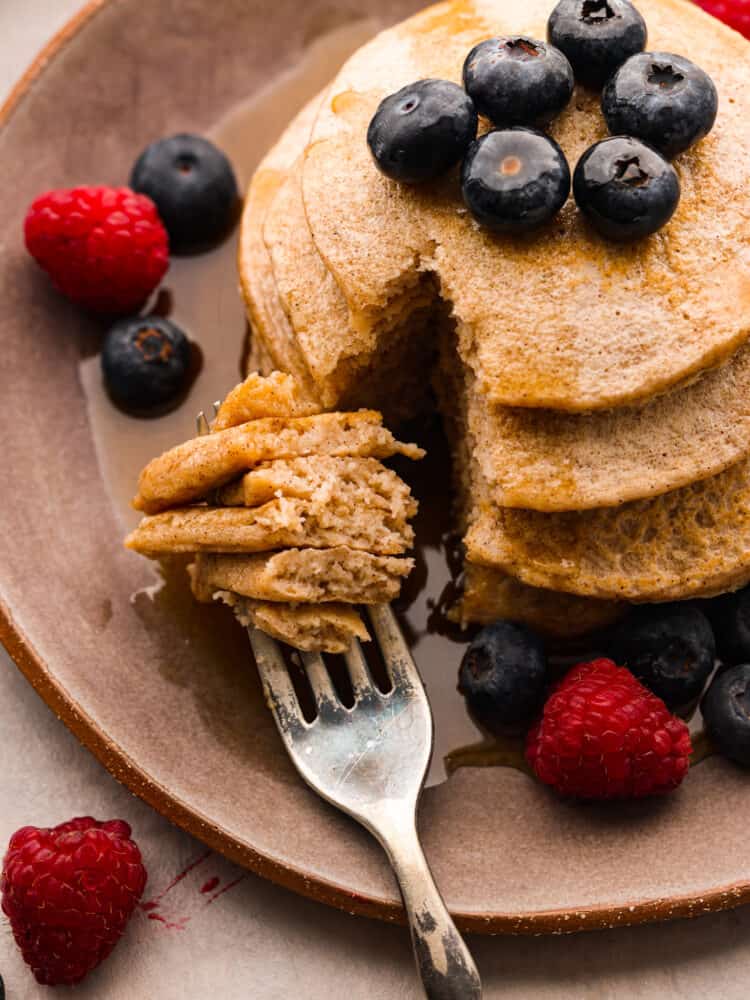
[735, 13]
[515, 180]
[730, 617]
[503, 676]
[726, 712]
[422, 130]
[597, 36]
[146, 364]
[625, 188]
[670, 648]
[517, 80]
[603, 735]
[68, 892]
[666, 100]
[105, 248]
[193, 186]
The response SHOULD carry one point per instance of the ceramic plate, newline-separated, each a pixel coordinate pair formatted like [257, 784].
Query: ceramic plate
[165, 692]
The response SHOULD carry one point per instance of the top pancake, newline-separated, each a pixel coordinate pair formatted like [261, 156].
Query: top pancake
[535, 459]
[561, 319]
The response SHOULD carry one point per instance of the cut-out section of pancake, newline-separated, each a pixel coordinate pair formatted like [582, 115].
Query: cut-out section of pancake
[488, 592]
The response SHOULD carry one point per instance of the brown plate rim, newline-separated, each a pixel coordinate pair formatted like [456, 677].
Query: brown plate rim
[126, 770]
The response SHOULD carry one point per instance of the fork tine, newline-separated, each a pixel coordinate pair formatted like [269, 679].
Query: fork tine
[202, 424]
[359, 672]
[320, 681]
[277, 685]
[398, 660]
[217, 407]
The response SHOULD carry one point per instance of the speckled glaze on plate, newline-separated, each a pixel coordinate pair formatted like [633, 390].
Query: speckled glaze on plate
[164, 693]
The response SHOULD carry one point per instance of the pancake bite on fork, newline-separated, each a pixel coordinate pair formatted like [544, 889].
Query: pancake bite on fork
[292, 519]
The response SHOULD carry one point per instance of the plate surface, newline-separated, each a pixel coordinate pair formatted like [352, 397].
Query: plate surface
[163, 692]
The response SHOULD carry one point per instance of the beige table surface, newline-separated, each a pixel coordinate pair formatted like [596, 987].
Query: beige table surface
[255, 940]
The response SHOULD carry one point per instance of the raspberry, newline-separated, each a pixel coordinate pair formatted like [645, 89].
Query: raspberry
[69, 891]
[104, 248]
[603, 735]
[735, 13]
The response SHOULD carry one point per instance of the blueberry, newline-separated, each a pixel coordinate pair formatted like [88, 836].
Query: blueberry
[514, 180]
[146, 364]
[517, 81]
[730, 617]
[669, 647]
[597, 36]
[194, 188]
[666, 100]
[726, 712]
[625, 188]
[422, 130]
[503, 676]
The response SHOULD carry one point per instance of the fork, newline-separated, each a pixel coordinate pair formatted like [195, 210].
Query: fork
[370, 760]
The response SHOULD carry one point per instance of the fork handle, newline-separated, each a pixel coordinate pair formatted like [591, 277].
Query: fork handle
[445, 965]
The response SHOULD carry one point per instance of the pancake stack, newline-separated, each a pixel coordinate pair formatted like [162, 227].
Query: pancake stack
[596, 395]
[289, 513]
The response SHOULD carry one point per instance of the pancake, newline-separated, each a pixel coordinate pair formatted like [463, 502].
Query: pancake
[302, 576]
[255, 357]
[277, 395]
[349, 371]
[561, 319]
[533, 459]
[279, 524]
[190, 471]
[490, 595]
[257, 284]
[365, 479]
[286, 512]
[693, 542]
[552, 461]
[276, 343]
[689, 543]
[292, 253]
[328, 628]
[385, 497]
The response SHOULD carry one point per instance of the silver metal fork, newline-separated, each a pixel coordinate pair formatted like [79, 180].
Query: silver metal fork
[370, 760]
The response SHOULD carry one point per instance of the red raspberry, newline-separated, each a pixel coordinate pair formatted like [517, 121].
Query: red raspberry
[603, 735]
[735, 13]
[105, 248]
[69, 892]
